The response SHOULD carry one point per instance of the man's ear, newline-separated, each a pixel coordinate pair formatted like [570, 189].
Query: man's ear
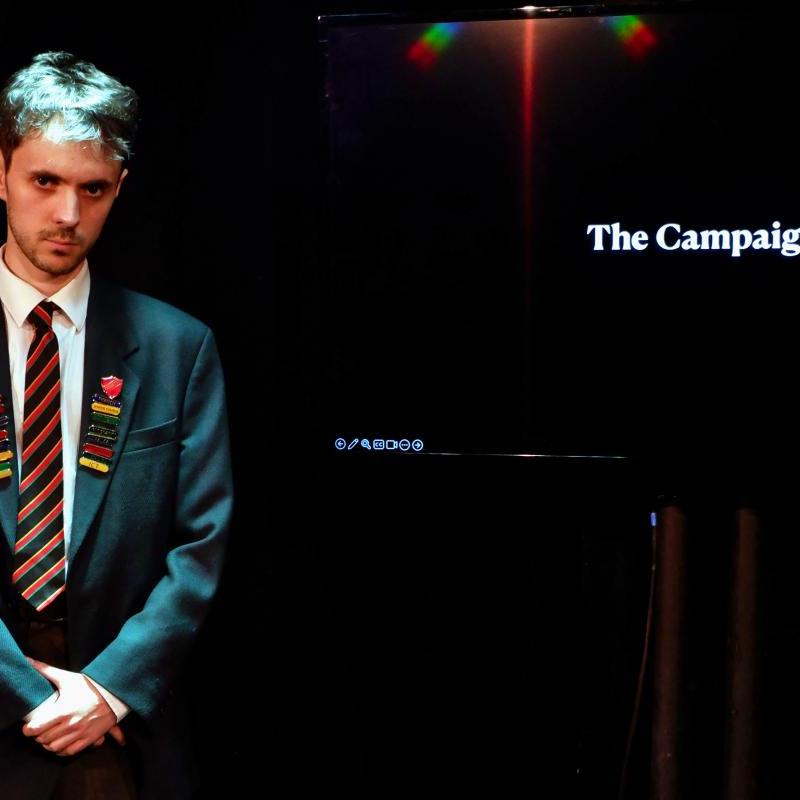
[119, 182]
[3, 192]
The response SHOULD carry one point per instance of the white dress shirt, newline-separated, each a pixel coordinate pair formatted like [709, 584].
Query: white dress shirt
[69, 325]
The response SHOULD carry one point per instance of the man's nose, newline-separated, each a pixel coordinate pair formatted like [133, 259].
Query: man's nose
[67, 209]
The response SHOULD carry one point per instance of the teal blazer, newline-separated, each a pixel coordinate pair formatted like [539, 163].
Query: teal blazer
[147, 540]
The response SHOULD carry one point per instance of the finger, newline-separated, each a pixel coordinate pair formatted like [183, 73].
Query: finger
[39, 727]
[118, 735]
[58, 746]
[55, 732]
[99, 741]
[53, 674]
[76, 747]
[45, 669]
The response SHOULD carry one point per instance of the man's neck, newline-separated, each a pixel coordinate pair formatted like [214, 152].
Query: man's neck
[46, 283]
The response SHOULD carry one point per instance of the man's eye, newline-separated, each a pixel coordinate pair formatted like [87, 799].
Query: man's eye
[94, 190]
[42, 180]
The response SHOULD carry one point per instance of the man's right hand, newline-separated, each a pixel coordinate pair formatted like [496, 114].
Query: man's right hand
[65, 727]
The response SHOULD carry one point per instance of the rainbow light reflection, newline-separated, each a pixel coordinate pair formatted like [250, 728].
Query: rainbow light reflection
[425, 51]
[637, 38]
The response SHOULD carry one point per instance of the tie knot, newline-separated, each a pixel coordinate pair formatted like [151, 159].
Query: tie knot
[42, 315]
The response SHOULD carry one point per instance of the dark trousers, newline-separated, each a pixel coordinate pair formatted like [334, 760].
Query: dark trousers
[96, 773]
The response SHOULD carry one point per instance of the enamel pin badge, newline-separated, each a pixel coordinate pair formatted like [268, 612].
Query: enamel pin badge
[105, 411]
[6, 453]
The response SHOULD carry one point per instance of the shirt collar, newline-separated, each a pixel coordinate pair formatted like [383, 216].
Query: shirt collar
[20, 298]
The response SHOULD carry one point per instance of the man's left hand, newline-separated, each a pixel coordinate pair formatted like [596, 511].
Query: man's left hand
[78, 718]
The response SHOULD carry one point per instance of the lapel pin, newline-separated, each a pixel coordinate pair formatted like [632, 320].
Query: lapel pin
[105, 411]
[6, 453]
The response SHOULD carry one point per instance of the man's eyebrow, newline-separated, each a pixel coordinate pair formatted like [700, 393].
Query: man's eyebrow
[43, 173]
[100, 182]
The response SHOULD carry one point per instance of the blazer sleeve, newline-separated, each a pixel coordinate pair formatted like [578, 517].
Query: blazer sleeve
[22, 688]
[140, 664]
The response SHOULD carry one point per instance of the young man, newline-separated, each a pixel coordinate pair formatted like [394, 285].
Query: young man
[115, 479]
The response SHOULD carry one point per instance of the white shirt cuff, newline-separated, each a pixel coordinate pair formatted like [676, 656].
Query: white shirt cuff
[117, 706]
[45, 704]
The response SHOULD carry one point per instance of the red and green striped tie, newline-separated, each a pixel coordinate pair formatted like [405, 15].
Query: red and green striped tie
[40, 555]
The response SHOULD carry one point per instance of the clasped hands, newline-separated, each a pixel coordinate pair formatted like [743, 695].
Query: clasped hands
[77, 717]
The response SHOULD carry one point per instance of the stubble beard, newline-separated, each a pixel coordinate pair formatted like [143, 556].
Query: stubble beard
[65, 264]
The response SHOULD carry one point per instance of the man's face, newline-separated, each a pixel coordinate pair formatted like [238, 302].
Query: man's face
[58, 196]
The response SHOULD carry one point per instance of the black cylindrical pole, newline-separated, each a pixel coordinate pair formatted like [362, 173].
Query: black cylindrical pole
[742, 660]
[668, 653]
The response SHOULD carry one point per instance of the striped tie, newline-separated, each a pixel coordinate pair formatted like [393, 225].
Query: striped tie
[39, 555]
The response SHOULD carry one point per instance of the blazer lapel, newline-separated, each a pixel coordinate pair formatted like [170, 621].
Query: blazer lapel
[109, 340]
[9, 487]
